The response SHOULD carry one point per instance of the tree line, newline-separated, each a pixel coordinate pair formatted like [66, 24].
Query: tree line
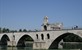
[7, 30]
[72, 38]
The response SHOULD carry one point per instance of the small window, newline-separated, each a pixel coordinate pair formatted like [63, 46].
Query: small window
[42, 36]
[13, 37]
[37, 36]
[45, 27]
[48, 36]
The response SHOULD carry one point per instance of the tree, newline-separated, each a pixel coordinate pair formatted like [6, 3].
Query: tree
[36, 30]
[72, 38]
[4, 30]
[20, 30]
[0, 30]
[24, 30]
[7, 30]
[15, 30]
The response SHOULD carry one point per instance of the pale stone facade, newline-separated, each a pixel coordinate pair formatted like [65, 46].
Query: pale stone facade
[48, 26]
[39, 43]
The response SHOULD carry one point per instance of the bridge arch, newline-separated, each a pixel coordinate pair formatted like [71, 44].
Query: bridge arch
[54, 44]
[4, 39]
[21, 41]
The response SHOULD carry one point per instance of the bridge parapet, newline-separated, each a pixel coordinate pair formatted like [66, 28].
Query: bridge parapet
[42, 39]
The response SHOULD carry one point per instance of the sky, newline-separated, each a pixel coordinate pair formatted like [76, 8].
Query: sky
[29, 14]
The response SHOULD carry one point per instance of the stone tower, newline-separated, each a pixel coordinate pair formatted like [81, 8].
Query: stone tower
[45, 21]
[47, 26]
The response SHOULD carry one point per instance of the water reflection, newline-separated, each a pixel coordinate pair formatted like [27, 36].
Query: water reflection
[28, 48]
[15, 48]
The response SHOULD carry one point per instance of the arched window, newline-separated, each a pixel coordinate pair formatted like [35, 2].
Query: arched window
[42, 36]
[45, 27]
[48, 36]
[13, 37]
[37, 36]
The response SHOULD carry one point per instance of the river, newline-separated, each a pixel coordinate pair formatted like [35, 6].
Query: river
[27, 48]
[15, 48]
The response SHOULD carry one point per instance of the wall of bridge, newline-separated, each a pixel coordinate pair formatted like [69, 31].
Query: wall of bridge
[38, 43]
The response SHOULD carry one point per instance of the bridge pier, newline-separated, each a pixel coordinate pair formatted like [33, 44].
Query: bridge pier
[11, 43]
[39, 45]
[59, 45]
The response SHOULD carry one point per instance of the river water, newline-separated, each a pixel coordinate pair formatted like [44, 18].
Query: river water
[15, 48]
[27, 48]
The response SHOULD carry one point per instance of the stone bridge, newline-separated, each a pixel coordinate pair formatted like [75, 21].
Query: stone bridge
[41, 39]
[48, 38]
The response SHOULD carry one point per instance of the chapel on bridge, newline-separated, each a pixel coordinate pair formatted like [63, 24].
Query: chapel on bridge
[47, 26]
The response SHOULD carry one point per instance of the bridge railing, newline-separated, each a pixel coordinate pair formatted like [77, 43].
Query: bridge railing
[65, 28]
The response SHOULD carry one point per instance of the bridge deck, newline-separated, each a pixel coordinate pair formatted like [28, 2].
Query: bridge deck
[50, 30]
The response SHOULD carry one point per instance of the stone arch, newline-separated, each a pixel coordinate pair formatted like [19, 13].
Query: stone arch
[23, 39]
[54, 44]
[4, 39]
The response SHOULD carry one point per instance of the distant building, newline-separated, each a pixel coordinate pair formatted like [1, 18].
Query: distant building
[48, 26]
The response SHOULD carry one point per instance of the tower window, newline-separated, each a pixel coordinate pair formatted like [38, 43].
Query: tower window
[45, 27]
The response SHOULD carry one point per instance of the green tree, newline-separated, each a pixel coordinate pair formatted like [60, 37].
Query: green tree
[7, 30]
[0, 30]
[15, 30]
[72, 38]
[20, 30]
[4, 30]
[24, 30]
